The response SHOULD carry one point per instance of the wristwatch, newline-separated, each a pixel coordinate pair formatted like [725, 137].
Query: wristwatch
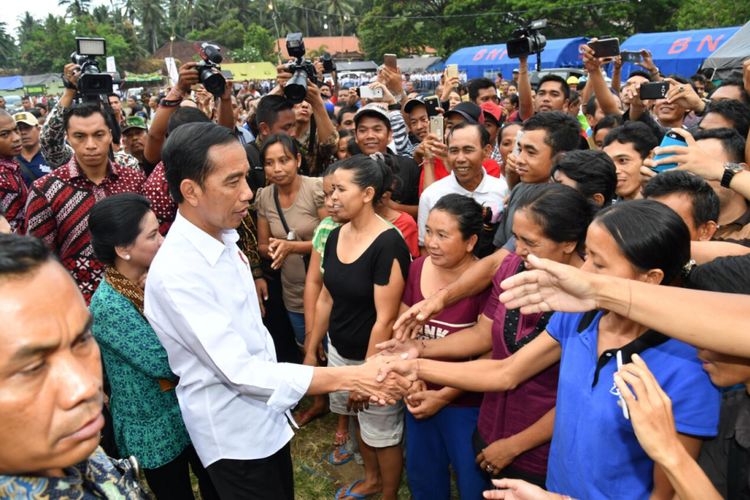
[730, 170]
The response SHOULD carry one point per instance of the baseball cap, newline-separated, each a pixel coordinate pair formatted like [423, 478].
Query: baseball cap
[493, 110]
[412, 103]
[373, 110]
[516, 71]
[469, 111]
[27, 118]
[572, 80]
[133, 122]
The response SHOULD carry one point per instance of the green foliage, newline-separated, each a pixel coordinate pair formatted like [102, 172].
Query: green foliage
[248, 28]
[229, 34]
[704, 13]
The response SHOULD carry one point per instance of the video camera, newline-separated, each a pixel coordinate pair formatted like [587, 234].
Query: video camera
[209, 71]
[92, 83]
[303, 69]
[527, 40]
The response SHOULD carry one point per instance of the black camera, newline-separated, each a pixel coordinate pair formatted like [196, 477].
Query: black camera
[329, 66]
[209, 71]
[527, 40]
[93, 82]
[302, 69]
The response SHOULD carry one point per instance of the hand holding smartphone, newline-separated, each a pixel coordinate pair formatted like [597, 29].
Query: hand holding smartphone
[437, 127]
[656, 90]
[671, 138]
[606, 47]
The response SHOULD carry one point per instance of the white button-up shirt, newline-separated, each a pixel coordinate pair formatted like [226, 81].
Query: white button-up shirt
[491, 192]
[201, 301]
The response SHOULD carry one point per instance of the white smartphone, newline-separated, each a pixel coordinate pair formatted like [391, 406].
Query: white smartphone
[625, 412]
[370, 93]
[517, 144]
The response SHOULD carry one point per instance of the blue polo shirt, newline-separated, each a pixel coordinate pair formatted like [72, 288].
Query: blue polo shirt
[594, 452]
[37, 166]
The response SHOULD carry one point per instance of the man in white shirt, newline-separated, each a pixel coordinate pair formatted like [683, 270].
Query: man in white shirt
[468, 147]
[201, 301]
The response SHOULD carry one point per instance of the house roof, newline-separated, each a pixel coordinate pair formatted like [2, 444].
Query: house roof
[185, 51]
[333, 44]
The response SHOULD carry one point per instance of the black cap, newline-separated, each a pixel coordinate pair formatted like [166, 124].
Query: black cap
[468, 110]
[412, 103]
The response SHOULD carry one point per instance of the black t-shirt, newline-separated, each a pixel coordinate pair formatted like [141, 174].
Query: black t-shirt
[352, 288]
[407, 186]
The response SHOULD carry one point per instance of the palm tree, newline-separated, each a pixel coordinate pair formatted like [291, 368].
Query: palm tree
[25, 27]
[8, 49]
[151, 15]
[76, 8]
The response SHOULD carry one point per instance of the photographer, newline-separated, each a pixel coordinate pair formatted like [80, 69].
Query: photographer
[52, 138]
[276, 116]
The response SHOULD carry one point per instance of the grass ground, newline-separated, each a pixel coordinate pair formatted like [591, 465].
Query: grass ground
[314, 477]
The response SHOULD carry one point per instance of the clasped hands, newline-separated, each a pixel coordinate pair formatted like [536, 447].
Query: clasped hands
[385, 378]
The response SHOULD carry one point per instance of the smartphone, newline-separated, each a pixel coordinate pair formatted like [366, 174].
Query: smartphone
[436, 126]
[517, 144]
[451, 71]
[433, 104]
[656, 90]
[671, 138]
[631, 56]
[625, 412]
[606, 47]
[390, 61]
[370, 93]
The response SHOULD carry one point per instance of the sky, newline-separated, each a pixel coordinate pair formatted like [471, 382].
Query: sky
[12, 10]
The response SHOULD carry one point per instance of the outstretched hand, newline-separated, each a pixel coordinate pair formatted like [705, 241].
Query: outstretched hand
[410, 323]
[550, 286]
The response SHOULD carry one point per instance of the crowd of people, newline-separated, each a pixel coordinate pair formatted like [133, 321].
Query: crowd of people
[520, 288]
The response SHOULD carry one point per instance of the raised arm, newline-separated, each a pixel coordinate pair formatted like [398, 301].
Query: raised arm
[604, 97]
[473, 281]
[709, 320]
[52, 136]
[158, 131]
[486, 375]
[525, 102]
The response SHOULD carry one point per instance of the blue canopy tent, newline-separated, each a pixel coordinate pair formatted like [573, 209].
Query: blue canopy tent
[11, 83]
[677, 52]
[487, 59]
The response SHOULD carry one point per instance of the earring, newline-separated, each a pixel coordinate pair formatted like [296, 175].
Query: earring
[126, 257]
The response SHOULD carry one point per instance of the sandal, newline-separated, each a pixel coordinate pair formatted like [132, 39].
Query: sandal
[344, 456]
[349, 493]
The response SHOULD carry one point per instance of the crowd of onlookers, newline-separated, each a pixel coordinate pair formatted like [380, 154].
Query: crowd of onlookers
[232, 253]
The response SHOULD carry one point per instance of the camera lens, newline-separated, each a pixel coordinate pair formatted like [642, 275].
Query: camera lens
[213, 81]
[296, 88]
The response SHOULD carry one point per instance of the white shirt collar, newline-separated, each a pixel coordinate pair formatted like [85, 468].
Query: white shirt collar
[479, 189]
[207, 245]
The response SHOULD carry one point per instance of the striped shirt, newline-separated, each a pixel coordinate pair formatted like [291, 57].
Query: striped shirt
[13, 193]
[57, 212]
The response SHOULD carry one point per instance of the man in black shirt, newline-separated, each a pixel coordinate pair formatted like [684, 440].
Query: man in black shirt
[373, 134]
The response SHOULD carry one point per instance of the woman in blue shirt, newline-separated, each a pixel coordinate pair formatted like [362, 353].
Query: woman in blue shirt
[594, 451]
[147, 419]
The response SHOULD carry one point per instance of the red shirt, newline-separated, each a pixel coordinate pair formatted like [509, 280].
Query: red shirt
[408, 227]
[13, 193]
[157, 191]
[490, 166]
[58, 213]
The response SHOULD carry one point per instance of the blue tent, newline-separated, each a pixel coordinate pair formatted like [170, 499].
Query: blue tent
[677, 52]
[11, 82]
[487, 59]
